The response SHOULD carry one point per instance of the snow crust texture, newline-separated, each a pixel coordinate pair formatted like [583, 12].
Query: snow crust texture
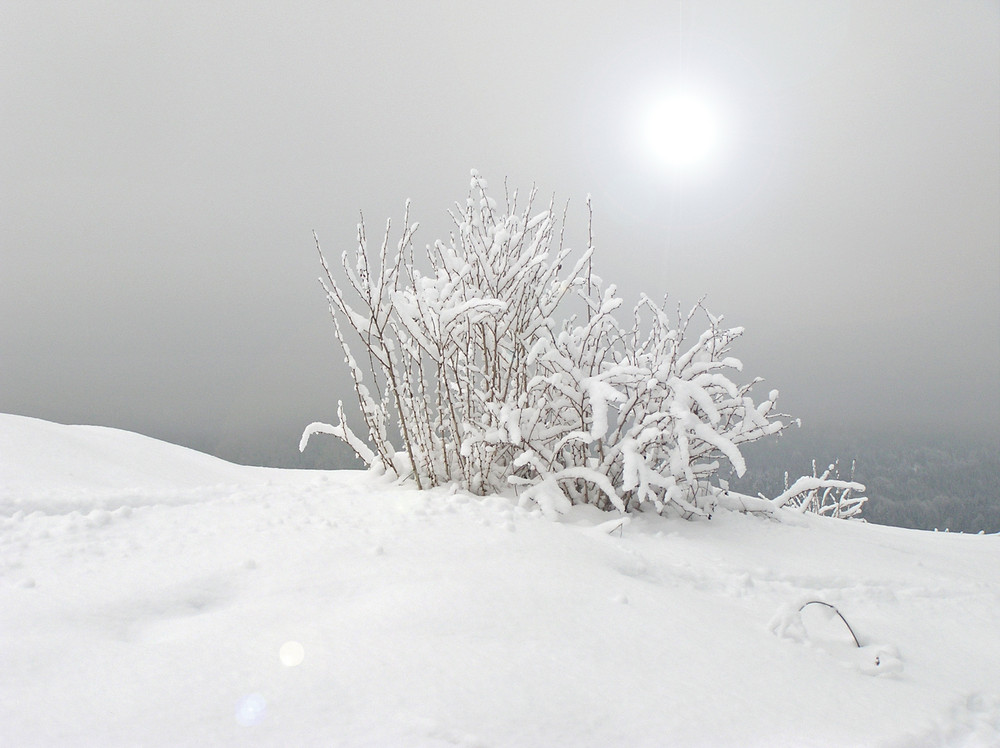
[165, 598]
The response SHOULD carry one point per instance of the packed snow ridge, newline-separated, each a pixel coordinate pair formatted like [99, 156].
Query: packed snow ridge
[153, 595]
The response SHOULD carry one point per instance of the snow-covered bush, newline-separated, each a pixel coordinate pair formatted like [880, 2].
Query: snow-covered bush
[466, 374]
[826, 494]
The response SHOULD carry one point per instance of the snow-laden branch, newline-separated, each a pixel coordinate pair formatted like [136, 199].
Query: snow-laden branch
[808, 484]
[341, 431]
[476, 364]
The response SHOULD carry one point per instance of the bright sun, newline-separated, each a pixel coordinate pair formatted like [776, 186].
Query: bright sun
[682, 130]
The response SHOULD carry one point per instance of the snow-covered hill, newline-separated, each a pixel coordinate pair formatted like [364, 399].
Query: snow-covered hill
[151, 595]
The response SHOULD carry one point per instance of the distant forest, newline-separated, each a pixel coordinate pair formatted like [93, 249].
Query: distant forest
[925, 482]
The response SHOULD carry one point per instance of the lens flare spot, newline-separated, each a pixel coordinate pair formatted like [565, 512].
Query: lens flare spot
[291, 654]
[251, 709]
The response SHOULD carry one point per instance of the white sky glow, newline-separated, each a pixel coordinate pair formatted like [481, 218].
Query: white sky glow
[682, 130]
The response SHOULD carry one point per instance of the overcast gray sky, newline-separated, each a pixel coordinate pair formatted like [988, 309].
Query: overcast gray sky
[164, 164]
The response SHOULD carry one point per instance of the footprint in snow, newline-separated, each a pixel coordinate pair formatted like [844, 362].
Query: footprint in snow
[973, 720]
[158, 613]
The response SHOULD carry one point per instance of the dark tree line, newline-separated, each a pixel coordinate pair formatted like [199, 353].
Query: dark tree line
[926, 482]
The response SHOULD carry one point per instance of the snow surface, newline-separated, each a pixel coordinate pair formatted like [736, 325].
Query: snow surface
[153, 595]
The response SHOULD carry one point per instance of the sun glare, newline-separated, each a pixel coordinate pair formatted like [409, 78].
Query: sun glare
[682, 131]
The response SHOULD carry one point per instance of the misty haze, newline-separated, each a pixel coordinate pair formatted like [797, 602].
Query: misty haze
[628, 213]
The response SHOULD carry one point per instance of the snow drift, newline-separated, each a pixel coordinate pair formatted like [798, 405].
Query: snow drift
[39, 459]
[151, 595]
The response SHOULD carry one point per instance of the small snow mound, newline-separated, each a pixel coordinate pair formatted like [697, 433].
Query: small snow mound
[822, 626]
[786, 623]
[451, 736]
[608, 527]
[99, 518]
